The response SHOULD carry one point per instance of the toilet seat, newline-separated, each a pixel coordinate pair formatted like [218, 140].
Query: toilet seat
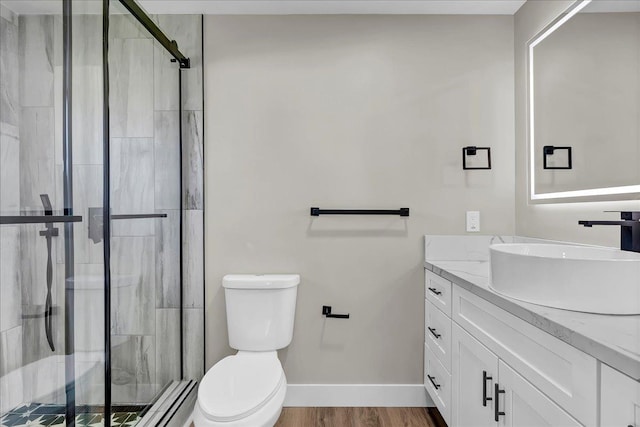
[240, 385]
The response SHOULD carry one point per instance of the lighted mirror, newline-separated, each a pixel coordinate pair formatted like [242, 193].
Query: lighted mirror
[584, 93]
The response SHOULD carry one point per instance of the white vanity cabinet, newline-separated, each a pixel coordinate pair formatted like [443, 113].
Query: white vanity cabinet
[502, 370]
[619, 399]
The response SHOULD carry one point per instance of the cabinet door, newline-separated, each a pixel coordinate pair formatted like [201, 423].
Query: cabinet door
[523, 405]
[474, 371]
[620, 397]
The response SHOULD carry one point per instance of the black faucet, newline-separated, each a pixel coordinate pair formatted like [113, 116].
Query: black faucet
[629, 230]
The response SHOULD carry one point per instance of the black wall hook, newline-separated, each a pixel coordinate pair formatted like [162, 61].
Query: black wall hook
[326, 311]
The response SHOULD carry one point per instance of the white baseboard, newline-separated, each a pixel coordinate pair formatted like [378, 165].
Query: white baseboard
[357, 395]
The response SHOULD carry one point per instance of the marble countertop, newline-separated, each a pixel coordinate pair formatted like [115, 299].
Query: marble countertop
[614, 340]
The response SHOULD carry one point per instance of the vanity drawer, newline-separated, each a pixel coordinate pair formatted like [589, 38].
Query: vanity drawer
[437, 381]
[562, 372]
[437, 333]
[438, 291]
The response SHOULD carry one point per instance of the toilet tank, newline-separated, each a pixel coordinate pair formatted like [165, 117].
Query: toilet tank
[260, 310]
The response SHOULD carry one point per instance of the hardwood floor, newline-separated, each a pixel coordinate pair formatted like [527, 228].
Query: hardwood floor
[358, 417]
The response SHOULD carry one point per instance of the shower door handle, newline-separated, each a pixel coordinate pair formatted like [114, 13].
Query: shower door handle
[138, 216]
[96, 221]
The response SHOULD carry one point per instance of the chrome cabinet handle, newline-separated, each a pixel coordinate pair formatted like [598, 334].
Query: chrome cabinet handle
[434, 332]
[485, 378]
[435, 291]
[496, 396]
[432, 379]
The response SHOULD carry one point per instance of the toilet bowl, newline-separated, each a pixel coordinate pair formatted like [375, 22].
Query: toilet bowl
[248, 388]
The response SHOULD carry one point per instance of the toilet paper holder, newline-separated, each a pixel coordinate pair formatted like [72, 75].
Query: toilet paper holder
[326, 311]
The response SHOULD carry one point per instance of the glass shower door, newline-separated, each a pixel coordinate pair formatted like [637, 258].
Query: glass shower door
[85, 287]
[145, 235]
[51, 275]
[80, 342]
[31, 352]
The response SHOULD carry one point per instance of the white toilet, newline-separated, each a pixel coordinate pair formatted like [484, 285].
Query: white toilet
[248, 389]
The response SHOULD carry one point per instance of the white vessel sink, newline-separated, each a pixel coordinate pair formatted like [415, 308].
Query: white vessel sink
[579, 278]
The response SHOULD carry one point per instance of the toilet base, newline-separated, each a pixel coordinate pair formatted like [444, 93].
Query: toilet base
[266, 416]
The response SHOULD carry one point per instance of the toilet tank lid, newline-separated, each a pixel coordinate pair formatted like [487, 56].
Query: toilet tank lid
[260, 281]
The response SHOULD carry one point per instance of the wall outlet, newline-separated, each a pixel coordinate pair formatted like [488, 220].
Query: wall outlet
[473, 221]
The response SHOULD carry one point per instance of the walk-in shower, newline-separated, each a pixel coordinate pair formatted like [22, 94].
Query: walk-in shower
[96, 122]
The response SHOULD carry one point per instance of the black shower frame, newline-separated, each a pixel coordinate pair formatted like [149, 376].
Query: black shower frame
[67, 185]
[170, 46]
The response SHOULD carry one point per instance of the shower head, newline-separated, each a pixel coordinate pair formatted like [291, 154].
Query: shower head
[46, 203]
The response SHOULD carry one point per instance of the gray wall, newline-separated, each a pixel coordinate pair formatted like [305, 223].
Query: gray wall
[558, 220]
[350, 112]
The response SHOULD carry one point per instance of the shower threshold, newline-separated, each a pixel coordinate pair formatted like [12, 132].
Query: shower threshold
[174, 407]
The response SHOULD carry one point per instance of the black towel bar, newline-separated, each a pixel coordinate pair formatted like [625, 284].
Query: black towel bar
[318, 212]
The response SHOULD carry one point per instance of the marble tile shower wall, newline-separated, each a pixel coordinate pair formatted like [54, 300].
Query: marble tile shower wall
[145, 178]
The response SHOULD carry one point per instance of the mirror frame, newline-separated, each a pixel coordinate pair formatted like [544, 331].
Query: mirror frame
[626, 192]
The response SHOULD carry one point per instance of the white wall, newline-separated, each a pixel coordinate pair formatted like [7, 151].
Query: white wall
[559, 220]
[350, 112]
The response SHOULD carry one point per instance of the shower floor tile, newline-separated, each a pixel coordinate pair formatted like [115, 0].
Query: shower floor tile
[35, 414]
